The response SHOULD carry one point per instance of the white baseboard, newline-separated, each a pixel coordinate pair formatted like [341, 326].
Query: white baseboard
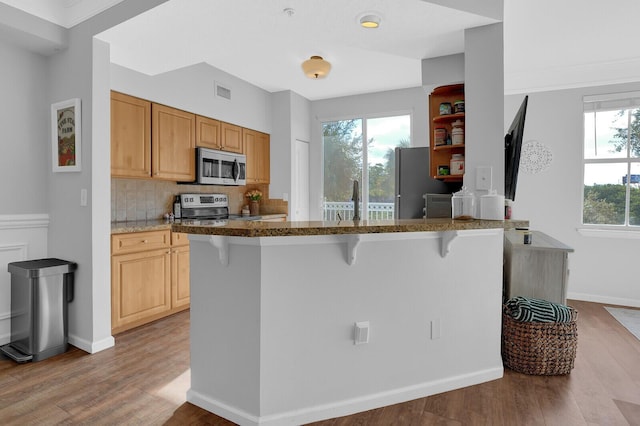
[346, 407]
[91, 347]
[619, 301]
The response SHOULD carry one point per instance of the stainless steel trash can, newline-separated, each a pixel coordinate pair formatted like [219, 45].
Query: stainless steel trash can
[40, 292]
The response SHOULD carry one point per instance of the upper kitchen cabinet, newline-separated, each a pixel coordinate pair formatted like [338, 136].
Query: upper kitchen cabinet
[151, 140]
[207, 133]
[231, 137]
[446, 111]
[173, 143]
[257, 149]
[130, 136]
[218, 135]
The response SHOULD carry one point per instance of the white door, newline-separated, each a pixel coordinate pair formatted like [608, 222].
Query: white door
[300, 199]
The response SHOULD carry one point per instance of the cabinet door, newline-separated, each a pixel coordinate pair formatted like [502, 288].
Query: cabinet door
[231, 136]
[130, 136]
[257, 150]
[249, 140]
[208, 133]
[180, 293]
[140, 288]
[173, 143]
[264, 158]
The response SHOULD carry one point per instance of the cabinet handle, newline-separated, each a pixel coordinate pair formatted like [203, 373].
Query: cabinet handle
[144, 241]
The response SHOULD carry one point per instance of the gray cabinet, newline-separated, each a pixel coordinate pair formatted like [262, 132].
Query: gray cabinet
[539, 270]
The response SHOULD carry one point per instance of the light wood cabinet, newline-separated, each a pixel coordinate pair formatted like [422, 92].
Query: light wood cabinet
[180, 289]
[214, 134]
[151, 140]
[208, 133]
[149, 277]
[538, 270]
[130, 136]
[257, 149]
[231, 138]
[440, 154]
[173, 143]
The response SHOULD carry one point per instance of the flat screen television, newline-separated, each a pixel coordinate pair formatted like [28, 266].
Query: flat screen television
[512, 149]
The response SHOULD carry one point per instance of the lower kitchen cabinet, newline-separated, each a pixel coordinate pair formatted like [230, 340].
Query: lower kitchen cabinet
[180, 294]
[149, 277]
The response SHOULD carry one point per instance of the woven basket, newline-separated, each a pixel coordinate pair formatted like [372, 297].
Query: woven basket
[539, 348]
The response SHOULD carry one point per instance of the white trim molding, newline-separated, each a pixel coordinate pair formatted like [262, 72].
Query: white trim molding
[23, 237]
[24, 221]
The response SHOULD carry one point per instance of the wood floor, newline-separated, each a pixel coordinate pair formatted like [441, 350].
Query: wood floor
[144, 378]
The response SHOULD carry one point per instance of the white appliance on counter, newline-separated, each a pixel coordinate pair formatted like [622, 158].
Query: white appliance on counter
[220, 168]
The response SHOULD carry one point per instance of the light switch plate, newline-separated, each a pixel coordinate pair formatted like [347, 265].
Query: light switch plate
[361, 333]
[83, 197]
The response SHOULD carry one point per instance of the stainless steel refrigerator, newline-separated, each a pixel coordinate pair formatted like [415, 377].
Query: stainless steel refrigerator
[412, 181]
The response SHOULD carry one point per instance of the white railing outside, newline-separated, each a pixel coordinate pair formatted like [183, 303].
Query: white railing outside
[377, 211]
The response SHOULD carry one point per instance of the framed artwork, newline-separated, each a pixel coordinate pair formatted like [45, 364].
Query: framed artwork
[66, 132]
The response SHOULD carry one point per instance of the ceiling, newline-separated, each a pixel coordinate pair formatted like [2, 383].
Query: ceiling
[256, 41]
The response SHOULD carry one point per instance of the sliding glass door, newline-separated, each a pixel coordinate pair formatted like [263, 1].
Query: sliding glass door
[345, 153]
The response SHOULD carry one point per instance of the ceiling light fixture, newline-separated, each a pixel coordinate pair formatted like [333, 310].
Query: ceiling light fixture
[316, 67]
[370, 21]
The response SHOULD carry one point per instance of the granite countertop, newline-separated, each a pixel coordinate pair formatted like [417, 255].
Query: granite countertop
[283, 229]
[161, 224]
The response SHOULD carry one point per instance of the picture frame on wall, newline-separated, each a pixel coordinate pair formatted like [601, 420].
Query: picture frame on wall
[66, 136]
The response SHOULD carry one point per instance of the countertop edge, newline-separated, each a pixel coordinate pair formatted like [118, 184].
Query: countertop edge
[272, 229]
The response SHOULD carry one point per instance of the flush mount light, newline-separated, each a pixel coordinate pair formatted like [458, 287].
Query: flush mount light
[316, 67]
[370, 21]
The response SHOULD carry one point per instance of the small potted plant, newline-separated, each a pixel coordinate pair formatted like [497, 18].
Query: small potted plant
[254, 197]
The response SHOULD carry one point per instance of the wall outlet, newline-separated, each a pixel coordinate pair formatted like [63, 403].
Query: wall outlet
[285, 196]
[483, 178]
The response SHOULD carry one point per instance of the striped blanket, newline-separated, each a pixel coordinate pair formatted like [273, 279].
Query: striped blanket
[536, 310]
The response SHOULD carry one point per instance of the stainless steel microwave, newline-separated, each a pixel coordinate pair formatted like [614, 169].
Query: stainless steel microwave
[220, 168]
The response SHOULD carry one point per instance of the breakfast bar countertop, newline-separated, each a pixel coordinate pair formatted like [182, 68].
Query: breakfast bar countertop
[308, 228]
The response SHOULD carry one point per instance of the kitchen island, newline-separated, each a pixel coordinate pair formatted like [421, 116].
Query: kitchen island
[294, 322]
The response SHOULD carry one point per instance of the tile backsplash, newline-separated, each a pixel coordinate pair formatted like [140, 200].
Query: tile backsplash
[137, 199]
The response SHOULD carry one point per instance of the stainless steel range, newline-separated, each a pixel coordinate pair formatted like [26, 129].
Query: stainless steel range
[207, 209]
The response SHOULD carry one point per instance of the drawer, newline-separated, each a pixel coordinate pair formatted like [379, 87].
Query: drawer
[140, 241]
[179, 239]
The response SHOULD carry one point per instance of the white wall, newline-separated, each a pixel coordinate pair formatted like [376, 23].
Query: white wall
[604, 268]
[192, 89]
[24, 164]
[24, 119]
[70, 74]
[484, 86]
[290, 115]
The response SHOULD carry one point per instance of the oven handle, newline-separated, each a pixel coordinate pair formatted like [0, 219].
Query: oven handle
[236, 170]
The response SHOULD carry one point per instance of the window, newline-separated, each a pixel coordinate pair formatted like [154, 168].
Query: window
[344, 156]
[611, 194]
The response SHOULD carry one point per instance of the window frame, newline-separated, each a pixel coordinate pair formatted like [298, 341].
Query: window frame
[364, 189]
[609, 102]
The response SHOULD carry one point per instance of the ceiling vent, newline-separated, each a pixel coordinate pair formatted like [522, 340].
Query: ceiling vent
[223, 92]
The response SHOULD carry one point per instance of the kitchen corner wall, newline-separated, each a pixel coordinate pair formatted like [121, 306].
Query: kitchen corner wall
[138, 199]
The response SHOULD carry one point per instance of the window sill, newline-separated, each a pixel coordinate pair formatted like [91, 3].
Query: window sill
[625, 233]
